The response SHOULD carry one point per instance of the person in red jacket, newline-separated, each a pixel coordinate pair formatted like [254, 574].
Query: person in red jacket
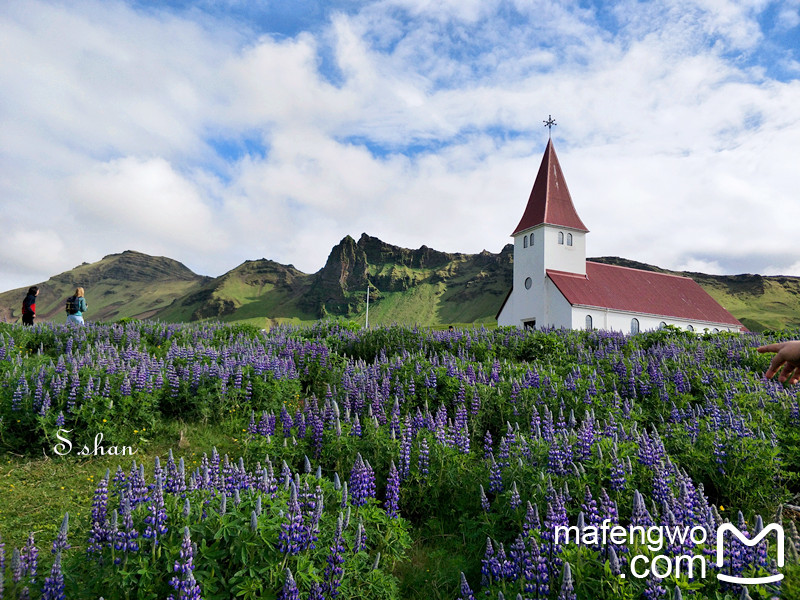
[29, 306]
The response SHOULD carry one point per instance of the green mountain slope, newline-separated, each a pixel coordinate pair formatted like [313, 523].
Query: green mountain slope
[130, 284]
[422, 286]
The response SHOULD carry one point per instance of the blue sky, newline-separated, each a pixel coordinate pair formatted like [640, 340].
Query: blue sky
[216, 132]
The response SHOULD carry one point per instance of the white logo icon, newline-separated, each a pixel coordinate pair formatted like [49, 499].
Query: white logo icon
[748, 542]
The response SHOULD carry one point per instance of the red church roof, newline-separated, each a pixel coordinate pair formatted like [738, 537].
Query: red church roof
[647, 292]
[550, 201]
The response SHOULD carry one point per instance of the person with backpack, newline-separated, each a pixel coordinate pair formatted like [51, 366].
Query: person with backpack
[29, 306]
[76, 306]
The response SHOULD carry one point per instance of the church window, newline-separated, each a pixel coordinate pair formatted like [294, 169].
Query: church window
[689, 328]
[569, 239]
[662, 325]
[530, 324]
[715, 330]
[531, 239]
[528, 283]
[525, 242]
[588, 322]
[560, 237]
[634, 325]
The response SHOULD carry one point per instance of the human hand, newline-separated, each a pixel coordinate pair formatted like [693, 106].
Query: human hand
[787, 354]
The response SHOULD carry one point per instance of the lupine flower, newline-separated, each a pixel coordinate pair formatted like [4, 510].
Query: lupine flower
[29, 558]
[392, 492]
[333, 571]
[184, 582]
[53, 588]
[567, 591]
[61, 543]
[466, 591]
[424, 457]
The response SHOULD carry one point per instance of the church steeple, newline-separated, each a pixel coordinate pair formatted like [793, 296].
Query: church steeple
[550, 202]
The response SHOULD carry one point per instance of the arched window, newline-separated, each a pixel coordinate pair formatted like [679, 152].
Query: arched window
[525, 242]
[588, 322]
[560, 237]
[689, 328]
[569, 239]
[662, 325]
[634, 325]
[531, 239]
[715, 330]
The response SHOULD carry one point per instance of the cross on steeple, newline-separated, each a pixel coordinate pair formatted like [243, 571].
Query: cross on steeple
[549, 124]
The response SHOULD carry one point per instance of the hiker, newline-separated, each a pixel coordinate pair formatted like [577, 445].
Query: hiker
[788, 356]
[29, 306]
[76, 306]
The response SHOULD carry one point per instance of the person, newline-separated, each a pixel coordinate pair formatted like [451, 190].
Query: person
[29, 306]
[787, 355]
[76, 306]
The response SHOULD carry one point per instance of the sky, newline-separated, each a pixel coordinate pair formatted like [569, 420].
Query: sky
[219, 131]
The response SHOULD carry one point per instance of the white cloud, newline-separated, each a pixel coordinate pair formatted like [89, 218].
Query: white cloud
[134, 199]
[677, 147]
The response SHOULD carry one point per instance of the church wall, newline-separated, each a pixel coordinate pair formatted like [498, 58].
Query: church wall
[558, 309]
[621, 321]
[563, 257]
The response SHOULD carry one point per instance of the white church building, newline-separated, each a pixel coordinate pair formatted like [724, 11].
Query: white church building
[555, 286]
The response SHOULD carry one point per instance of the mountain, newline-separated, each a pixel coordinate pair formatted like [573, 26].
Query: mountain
[130, 284]
[422, 286]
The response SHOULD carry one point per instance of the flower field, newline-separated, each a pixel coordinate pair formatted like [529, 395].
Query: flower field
[396, 463]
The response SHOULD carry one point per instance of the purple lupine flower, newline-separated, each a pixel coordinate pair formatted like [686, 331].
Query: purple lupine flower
[184, 582]
[29, 558]
[484, 501]
[362, 482]
[653, 590]
[17, 570]
[53, 588]
[567, 591]
[392, 492]
[61, 543]
[333, 571]
[289, 590]
[495, 477]
[531, 522]
[515, 501]
[157, 518]
[292, 535]
[466, 591]
[487, 571]
[127, 536]
[361, 538]
[617, 475]
[423, 461]
[487, 445]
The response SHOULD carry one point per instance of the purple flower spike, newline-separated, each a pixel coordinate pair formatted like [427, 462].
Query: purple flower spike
[54, 584]
[567, 587]
[466, 591]
[289, 590]
[61, 542]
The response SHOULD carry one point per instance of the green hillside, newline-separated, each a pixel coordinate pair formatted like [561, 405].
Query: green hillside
[423, 287]
[126, 285]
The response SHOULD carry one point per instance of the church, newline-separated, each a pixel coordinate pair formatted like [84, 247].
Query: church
[555, 286]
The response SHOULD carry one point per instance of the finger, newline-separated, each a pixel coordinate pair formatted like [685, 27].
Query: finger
[787, 372]
[769, 348]
[774, 365]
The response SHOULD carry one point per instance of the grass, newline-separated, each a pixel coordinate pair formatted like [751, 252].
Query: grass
[35, 494]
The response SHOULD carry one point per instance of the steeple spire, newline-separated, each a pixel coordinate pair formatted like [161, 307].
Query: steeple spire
[550, 201]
